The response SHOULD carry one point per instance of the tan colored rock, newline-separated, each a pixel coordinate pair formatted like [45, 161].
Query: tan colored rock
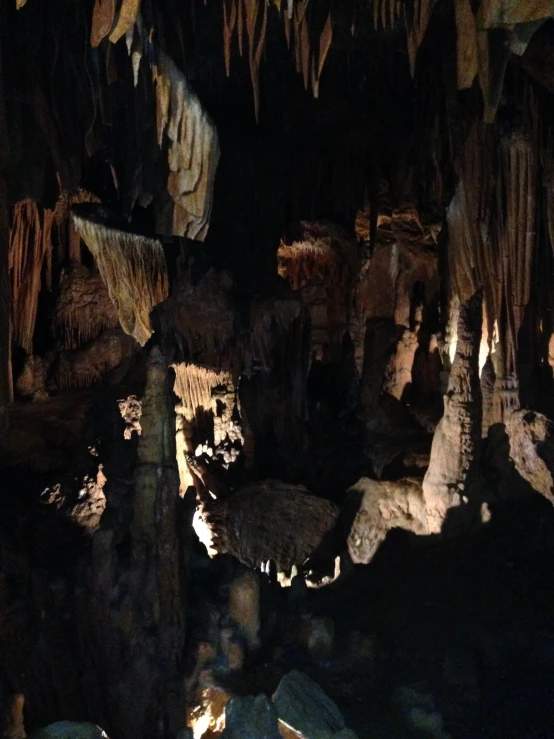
[13, 724]
[70, 730]
[383, 505]
[458, 433]
[399, 370]
[531, 438]
[268, 521]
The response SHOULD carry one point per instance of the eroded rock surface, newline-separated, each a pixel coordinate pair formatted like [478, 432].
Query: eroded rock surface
[303, 706]
[382, 506]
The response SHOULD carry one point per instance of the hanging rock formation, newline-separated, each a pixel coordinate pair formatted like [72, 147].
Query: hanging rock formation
[133, 269]
[268, 521]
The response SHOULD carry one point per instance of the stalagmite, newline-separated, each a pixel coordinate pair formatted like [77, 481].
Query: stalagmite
[154, 605]
[133, 269]
[448, 481]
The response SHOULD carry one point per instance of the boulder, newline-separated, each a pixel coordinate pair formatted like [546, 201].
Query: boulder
[70, 730]
[303, 706]
[381, 506]
[250, 717]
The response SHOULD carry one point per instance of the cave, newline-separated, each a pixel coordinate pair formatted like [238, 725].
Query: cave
[276, 369]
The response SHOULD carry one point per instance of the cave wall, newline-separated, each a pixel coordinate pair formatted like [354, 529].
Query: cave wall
[312, 328]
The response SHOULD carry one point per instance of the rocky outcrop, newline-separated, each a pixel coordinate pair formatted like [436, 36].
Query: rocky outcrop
[303, 706]
[268, 521]
[70, 730]
[381, 506]
[250, 717]
[531, 437]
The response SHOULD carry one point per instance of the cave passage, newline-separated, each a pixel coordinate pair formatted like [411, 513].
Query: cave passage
[276, 369]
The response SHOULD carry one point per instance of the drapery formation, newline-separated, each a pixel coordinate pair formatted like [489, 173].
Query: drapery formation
[187, 138]
[492, 220]
[41, 239]
[133, 269]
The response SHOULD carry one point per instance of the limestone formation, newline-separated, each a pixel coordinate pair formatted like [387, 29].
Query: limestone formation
[268, 522]
[249, 718]
[303, 706]
[133, 270]
[532, 449]
[380, 506]
[447, 483]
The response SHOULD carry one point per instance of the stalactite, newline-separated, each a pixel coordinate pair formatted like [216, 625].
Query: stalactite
[68, 238]
[417, 29]
[197, 389]
[125, 19]
[102, 20]
[134, 271]
[29, 244]
[467, 48]
[195, 386]
[193, 152]
[517, 236]
[252, 16]
[6, 390]
[256, 38]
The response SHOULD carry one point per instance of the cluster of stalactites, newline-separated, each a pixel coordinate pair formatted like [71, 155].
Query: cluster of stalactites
[184, 128]
[204, 392]
[33, 232]
[492, 247]
[134, 271]
[195, 386]
[249, 18]
[474, 24]
[113, 19]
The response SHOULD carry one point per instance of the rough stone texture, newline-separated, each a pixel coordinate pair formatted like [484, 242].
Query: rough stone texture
[250, 718]
[83, 308]
[399, 370]
[81, 367]
[70, 730]
[302, 705]
[244, 606]
[6, 389]
[382, 506]
[31, 382]
[270, 521]
[13, 724]
[531, 438]
[457, 435]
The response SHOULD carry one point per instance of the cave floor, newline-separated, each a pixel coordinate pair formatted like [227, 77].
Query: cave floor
[466, 625]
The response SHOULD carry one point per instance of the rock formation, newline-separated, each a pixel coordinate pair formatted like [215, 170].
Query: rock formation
[276, 278]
